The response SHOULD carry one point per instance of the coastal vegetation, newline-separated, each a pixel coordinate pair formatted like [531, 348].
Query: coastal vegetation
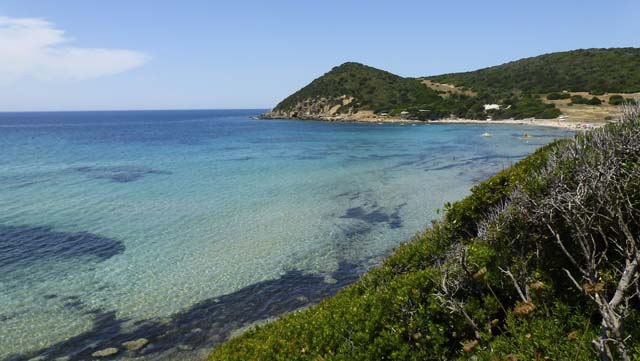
[618, 99]
[579, 99]
[541, 261]
[558, 96]
[353, 87]
[615, 70]
[372, 88]
[527, 88]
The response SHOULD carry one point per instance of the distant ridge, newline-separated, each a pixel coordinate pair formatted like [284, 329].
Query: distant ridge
[614, 70]
[517, 89]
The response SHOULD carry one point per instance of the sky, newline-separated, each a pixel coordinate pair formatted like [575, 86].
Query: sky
[210, 54]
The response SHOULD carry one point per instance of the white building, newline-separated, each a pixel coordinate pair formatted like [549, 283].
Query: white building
[491, 107]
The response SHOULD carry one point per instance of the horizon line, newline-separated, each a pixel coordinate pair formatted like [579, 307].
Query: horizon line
[124, 110]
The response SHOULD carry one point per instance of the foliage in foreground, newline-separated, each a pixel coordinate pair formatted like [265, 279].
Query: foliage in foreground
[539, 262]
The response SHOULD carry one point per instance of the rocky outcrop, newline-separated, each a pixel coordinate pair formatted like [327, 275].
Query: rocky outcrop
[315, 108]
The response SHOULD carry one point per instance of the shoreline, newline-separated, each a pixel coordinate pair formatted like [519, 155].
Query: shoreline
[554, 123]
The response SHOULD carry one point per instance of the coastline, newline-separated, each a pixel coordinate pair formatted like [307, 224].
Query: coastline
[371, 118]
[555, 123]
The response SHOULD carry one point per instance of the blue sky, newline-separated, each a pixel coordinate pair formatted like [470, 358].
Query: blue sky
[143, 54]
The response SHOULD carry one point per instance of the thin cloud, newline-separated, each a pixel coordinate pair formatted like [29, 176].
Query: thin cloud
[35, 48]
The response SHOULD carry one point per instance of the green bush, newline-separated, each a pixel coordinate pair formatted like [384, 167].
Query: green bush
[550, 113]
[579, 99]
[616, 99]
[594, 101]
[563, 335]
[558, 96]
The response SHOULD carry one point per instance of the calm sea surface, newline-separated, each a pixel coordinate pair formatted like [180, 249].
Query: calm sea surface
[183, 226]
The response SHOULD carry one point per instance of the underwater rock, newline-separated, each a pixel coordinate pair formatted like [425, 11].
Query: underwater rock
[135, 344]
[106, 352]
[330, 280]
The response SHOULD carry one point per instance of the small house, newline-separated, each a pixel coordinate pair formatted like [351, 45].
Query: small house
[491, 107]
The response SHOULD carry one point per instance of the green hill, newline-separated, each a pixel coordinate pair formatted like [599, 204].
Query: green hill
[598, 70]
[519, 88]
[371, 88]
[351, 87]
[540, 262]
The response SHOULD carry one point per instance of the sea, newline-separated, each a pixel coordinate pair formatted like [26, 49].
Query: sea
[185, 227]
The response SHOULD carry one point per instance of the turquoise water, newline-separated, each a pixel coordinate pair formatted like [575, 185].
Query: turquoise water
[115, 225]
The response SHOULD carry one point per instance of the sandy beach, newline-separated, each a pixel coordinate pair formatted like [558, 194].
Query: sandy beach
[371, 118]
[556, 123]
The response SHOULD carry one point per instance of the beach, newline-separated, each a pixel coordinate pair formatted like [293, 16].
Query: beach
[369, 117]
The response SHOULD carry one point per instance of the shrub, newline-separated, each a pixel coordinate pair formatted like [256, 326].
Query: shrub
[561, 336]
[579, 99]
[616, 100]
[594, 101]
[558, 96]
[550, 113]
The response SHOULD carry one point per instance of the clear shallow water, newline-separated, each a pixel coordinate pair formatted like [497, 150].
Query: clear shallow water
[115, 225]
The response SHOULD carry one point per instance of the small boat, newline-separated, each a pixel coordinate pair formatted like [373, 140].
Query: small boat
[486, 135]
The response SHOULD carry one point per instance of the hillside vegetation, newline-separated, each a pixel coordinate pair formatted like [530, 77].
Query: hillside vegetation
[520, 88]
[352, 87]
[590, 70]
[539, 262]
[372, 88]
